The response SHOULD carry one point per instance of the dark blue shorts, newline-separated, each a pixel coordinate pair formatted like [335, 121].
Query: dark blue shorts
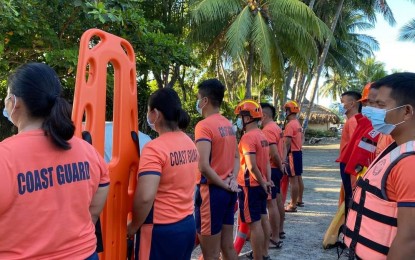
[214, 207]
[276, 176]
[166, 241]
[295, 160]
[252, 203]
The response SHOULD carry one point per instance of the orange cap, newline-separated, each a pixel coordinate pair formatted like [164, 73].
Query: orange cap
[365, 92]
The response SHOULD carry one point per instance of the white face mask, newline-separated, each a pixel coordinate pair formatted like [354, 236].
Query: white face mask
[199, 109]
[6, 114]
[152, 125]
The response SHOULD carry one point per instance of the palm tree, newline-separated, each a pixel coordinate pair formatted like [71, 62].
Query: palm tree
[262, 31]
[369, 8]
[407, 32]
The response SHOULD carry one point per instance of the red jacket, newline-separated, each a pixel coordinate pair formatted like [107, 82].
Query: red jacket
[362, 147]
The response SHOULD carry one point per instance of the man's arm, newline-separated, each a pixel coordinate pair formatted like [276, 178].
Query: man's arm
[233, 184]
[287, 148]
[250, 160]
[403, 246]
[204, 149]
[275, 157]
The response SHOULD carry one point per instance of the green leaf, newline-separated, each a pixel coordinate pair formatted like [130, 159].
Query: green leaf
[262, 40]
[237, 34]
[211, 10]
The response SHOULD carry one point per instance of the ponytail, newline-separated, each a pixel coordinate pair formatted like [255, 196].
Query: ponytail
[183, 119]
[58, 125]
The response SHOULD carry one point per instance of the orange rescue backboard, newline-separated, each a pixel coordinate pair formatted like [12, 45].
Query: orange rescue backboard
[98, 49]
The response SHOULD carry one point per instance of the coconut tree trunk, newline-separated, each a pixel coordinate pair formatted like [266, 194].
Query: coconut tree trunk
[323, 59]
[287, 83]
[250, 69]
[311, 4]
[274, 95]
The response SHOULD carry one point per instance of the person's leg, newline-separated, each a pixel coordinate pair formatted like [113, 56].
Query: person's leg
[227, 248]
[281, 211]
[274, 219]
[300, 189]
[267, 233]
[257, 239]
[347, 187]
[228, 251]
[294, 190]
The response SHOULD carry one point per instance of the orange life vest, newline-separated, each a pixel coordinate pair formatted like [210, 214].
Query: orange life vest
[371, 224]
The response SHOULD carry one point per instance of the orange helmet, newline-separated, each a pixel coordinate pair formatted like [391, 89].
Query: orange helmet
[365, 92]
[292, 106]
[249, 107]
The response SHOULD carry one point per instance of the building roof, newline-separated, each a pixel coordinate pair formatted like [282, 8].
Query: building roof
[319, 114]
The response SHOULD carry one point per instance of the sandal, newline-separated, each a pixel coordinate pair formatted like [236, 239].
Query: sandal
[282, 235]
[300, 204]
[277, 245]
[290, 208]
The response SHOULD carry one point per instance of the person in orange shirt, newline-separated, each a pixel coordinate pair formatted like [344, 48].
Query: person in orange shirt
[380, 224]
[217, 188]
[292, 153]
[53, 185]
[163, 200]
[254, 177]
[273, 133]
[350, 107]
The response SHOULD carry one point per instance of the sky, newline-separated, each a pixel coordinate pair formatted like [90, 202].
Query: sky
[396, 55]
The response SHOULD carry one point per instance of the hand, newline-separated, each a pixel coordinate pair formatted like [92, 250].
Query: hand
[131, 230]
[233, 185]
[266, 186]
[271, 183]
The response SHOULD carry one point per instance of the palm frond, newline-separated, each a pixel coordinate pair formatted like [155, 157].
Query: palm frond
[263, 41]
[300, 12]
[213, 10]
[238, 32]
[407, 32]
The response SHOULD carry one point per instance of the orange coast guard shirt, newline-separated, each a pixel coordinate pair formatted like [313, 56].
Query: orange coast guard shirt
[383, 142]
[294, 130]
[45, 195]
[347, 133]
[273, 133]
[217, 130]
[253, 142]
[172, 156]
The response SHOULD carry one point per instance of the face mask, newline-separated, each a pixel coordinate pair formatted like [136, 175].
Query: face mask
[368, 111]
[285, 114]
[239, 123]
[199, 109]
[342, 110]
[5, 114]
[152, 125]
[259, 123]
[377, 117]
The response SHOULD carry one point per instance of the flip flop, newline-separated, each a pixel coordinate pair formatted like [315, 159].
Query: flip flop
[282, 235]
[290, 208]
[300, 204]
[277, 245]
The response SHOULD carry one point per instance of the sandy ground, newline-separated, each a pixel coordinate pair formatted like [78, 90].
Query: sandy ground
[305, 229]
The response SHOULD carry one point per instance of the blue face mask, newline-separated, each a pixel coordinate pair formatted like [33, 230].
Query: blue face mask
[342, 110]
[368, 111]
[377, 117]
[239, 123]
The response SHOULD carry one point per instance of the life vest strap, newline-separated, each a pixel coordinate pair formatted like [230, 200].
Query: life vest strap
[391, 221]
[364, 185]
[368, 243]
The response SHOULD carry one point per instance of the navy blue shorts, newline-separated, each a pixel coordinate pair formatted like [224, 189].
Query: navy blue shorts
[295, 160]
[166, 241]
[276, 176]
[252, 203]
[214, 207]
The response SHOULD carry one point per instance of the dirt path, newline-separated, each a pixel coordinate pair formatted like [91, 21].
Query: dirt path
[305, 229]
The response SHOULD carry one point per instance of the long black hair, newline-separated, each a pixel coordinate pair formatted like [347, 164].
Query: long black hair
[39, 87]
[168, 103]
